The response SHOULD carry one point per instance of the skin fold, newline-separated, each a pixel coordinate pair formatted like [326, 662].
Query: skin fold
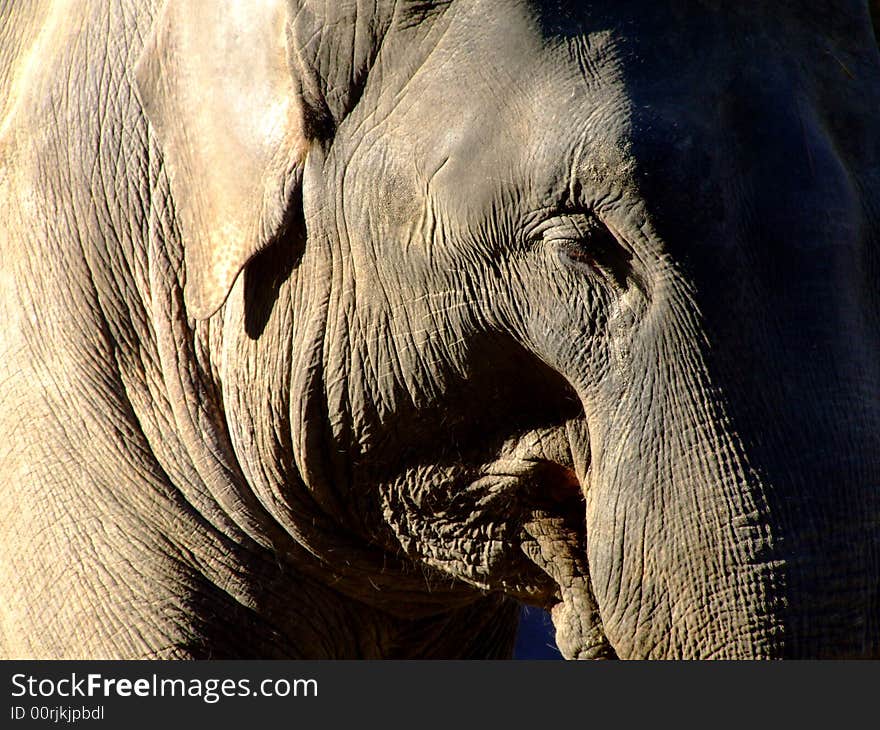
[338, 329]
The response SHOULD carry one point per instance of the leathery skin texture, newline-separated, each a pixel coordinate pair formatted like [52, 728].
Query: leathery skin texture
[343, 329]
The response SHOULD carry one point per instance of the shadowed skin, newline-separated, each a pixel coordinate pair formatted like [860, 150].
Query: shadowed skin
[337, 329]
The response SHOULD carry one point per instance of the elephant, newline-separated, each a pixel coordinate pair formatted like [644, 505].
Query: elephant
[343, 329]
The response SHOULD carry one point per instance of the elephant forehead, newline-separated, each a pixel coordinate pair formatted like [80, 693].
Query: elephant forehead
[522, 109]
[476, 127]
[526, 98]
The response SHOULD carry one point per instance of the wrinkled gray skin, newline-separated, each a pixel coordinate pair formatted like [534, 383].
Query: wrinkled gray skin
[568, 303]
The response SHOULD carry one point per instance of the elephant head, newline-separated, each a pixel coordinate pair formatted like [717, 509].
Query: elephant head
[574, 302]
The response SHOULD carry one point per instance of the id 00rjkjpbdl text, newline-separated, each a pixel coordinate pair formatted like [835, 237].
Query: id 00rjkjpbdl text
[58, 714]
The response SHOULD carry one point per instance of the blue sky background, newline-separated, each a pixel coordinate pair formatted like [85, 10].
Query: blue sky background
[535, 637]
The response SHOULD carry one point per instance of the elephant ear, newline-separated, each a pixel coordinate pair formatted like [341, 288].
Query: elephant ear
[216, 84]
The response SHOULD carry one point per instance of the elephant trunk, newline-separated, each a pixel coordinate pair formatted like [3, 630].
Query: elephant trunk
[733, 492]
[733, 501]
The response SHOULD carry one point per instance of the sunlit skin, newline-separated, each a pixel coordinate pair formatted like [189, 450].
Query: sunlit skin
[341, 329]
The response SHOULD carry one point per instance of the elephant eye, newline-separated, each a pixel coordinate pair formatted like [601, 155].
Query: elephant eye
[586, 244]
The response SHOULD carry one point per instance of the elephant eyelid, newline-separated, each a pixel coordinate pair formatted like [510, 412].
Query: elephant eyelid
[566, 226]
